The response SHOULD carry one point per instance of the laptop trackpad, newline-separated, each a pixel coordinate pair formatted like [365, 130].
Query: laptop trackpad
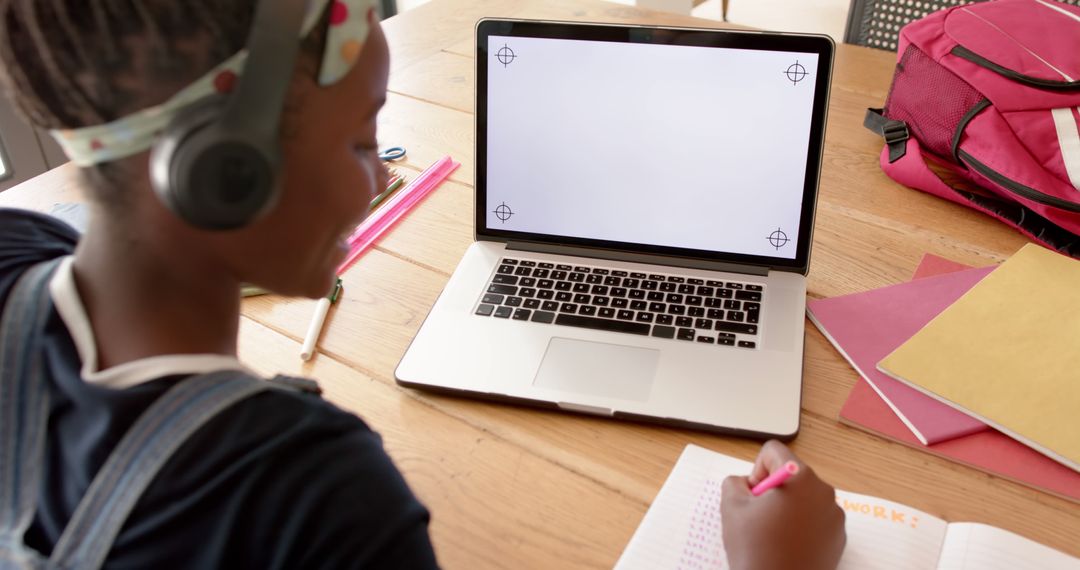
[598, 369]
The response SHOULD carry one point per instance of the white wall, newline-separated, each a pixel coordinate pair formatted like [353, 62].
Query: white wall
[813, 16]
[816, 16]
[24, 151]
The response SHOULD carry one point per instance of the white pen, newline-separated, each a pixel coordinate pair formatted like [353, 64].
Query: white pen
[317, 320]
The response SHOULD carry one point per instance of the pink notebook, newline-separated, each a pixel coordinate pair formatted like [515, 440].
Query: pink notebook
[987, 450]
[866, 327]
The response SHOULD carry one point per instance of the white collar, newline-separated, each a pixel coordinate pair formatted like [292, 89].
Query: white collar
[65, 296]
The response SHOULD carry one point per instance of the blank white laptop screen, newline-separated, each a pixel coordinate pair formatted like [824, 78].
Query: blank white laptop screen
[677, 146]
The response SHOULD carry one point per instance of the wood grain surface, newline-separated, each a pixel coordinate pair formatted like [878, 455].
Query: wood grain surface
[524, 488]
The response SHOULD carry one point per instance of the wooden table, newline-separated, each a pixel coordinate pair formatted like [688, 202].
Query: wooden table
[516, 487]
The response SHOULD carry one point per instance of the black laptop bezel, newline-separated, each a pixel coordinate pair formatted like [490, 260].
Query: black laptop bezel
[823, 46]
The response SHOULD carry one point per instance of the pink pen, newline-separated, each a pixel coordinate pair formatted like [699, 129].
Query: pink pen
[372, 228]
[776, 478]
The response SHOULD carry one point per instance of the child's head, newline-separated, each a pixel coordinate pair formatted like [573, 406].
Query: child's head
[77, 63]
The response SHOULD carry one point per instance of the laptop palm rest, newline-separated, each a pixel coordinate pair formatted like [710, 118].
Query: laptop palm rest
[598, 369]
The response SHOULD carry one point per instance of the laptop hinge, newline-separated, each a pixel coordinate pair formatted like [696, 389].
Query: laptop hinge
[639, 257]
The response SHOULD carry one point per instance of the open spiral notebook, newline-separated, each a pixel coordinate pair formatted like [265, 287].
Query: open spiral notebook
[682, 530]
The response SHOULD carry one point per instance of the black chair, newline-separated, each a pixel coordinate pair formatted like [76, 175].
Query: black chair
[877, 23]
[387, 8]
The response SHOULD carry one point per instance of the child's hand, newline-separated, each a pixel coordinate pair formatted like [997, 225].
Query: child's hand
[796, 525]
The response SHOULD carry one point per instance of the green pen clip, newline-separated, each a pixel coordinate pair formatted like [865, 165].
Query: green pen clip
[252, 291]
[333, 296]
[386, 193]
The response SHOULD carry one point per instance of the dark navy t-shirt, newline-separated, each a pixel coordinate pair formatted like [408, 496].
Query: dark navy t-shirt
[280, 480]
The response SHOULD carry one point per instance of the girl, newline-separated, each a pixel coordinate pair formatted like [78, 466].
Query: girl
[147, 298]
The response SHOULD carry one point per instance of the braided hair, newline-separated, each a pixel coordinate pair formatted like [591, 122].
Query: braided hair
[75, 63]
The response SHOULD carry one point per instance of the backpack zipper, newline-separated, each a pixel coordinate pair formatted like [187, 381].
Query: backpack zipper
[964, 53]
[1018, 188]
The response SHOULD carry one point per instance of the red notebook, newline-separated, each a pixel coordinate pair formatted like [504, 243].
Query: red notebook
[932, 265]
[866, 327]
[987, 450]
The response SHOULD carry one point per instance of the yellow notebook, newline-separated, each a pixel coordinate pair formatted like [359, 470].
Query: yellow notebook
[1008, 353]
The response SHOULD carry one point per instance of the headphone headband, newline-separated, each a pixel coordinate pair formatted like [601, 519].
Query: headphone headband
[264, 85]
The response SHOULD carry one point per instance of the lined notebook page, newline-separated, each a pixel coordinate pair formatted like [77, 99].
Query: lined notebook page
[883, 535]
[972, 546]
[682, 529]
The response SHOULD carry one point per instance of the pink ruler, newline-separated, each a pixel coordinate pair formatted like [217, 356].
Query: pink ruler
[375, 225]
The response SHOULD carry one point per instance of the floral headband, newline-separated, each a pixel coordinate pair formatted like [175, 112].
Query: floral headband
[139, 131]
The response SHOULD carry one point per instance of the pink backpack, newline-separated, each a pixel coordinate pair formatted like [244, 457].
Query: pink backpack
[984, 110]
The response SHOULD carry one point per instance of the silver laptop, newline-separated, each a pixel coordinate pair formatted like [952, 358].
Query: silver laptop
[644, 213]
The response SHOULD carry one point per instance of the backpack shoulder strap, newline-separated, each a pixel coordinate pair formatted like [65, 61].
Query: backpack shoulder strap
[159, 431]
[296, 383]
[139, 456]
[24, 403]
[893, 131]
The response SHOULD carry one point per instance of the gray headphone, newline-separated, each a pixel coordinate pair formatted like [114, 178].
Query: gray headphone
[216, 166]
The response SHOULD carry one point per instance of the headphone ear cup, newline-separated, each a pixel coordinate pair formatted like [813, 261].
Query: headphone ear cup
[210, 176]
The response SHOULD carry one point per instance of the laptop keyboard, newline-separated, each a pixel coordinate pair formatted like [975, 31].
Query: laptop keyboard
[665, 306]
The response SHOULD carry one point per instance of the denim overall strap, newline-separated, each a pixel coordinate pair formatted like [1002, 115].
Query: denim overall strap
[146, 447]
[24, 405]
